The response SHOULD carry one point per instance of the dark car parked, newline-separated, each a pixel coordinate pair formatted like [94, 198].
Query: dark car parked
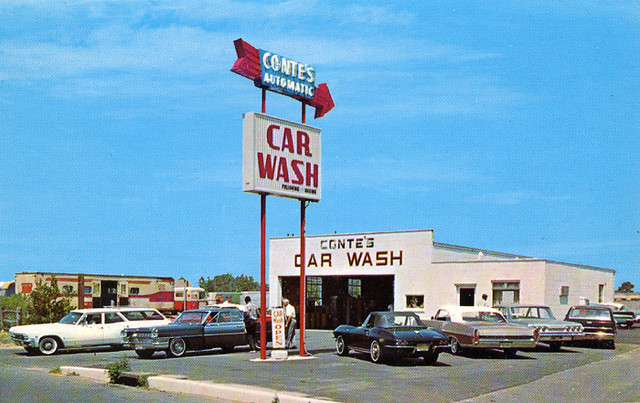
[193, 330]
[391, 335]
[598, 324]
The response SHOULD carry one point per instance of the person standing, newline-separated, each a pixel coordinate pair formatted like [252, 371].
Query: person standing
[484, 301]
[289, 321]
[251, 321]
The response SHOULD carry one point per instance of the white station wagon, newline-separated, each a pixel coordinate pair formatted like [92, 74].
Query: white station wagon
[84, 328]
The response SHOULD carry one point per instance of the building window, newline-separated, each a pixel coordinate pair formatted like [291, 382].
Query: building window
[123, 289]
[314, 290]
[87, 289]
[601, 293]
[355, 287]
[564, 295]
[134, 291]
[415, 301]
[506, 292]
[67, 289]
[466, 294]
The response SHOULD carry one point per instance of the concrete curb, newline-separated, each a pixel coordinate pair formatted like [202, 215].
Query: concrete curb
[96, 374]
[232, 392]
[236, 393]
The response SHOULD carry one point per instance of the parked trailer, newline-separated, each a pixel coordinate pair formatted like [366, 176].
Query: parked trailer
[101, 290]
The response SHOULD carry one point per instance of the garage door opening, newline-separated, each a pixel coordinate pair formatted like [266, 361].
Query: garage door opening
[337, 300]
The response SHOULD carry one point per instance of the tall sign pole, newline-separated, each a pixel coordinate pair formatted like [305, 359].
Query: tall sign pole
[303, 278]
[279, 157]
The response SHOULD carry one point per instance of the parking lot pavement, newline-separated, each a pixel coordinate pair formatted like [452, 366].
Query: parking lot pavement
[531, 374]
[612, 380]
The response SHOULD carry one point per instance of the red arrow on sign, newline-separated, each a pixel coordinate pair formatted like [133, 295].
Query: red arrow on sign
[248, 65]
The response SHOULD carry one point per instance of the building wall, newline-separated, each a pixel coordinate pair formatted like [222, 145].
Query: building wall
[446, 279]
[435, 273]
[583, 284]
[402, 254]
[452, 253]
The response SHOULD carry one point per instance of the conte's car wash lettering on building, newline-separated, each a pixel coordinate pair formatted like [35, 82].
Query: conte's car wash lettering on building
[352, 255]
[280, 157]
[287, 76]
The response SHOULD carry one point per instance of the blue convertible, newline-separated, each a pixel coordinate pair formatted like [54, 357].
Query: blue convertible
[392, 335]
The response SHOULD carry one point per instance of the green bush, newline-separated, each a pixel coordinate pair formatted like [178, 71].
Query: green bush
[4, 338]
[115, 369]
[45, 305]
[14, 301]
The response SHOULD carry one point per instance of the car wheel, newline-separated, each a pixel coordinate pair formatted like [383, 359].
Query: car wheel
[375, 351]
[177, 347]
[145, 353]
[510, 352]
[431, 358]
[555, 346]
[456, 348]
[48, 345]
[341, 346]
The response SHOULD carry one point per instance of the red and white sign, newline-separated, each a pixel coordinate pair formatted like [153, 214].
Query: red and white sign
[253, 65]
[281, 158]
[277, 328]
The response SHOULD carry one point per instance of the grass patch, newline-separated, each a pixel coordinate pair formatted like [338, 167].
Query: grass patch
[143, 381]
[56, 371]
[4, 338]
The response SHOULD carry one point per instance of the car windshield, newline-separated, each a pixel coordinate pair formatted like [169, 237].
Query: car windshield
[482, 316]
[531, 312]
[71, 318]
[590, 313]
[190, 318]
[394, 319]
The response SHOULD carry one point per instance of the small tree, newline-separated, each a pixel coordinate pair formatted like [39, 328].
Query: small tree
[228, 283]
[625, 287]
[46, 305]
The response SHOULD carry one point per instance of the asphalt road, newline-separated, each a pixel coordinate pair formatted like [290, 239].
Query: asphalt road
[24, 385]
[347, 379]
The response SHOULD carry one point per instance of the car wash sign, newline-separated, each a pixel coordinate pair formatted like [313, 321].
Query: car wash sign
[281, 158]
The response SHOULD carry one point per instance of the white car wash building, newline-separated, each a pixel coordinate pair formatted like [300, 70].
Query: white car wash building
[349, 275]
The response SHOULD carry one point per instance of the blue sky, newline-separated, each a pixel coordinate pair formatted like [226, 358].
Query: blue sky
[509, 126]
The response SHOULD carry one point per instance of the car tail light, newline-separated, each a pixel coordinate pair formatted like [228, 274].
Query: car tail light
[476, 336]
[536, 335]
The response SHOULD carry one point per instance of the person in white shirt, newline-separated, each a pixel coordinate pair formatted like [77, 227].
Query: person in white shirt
[289, 321]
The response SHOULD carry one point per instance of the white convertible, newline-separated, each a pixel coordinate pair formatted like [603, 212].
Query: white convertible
[85, 328]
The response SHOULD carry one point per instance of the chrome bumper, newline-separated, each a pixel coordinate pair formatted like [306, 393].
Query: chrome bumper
[147, 344]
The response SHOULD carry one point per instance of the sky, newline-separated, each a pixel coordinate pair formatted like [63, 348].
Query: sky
[506, 126]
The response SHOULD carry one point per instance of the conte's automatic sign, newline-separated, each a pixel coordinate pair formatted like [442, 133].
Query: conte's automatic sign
[281, 158]
[287, 76]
